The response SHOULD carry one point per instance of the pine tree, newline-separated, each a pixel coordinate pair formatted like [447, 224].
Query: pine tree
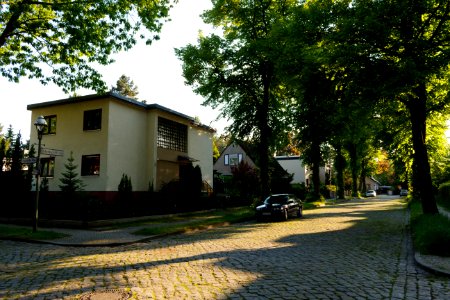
[16, 156]
[70, 181]
[125, 86]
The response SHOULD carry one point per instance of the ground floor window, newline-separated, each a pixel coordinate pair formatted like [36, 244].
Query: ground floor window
[47, 167]
[90, 165]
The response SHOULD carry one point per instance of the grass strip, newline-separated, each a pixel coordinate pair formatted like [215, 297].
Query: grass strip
[431, 233]
[198, 221]
[28, 234]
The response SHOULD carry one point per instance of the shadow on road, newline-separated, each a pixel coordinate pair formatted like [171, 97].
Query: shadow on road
[358, 249]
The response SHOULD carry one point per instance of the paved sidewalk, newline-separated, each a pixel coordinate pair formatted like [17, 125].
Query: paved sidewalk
[106, 237]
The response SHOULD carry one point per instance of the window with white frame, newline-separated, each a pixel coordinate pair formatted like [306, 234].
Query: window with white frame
[233, 159]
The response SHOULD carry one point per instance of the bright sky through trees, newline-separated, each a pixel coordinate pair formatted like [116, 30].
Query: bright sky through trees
[154, 69]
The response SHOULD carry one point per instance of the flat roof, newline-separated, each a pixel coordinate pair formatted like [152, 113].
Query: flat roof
[121, 98]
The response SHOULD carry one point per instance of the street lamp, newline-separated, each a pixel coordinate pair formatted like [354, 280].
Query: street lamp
[40, 124]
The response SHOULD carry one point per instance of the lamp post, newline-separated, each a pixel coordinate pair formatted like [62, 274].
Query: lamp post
[40, 124]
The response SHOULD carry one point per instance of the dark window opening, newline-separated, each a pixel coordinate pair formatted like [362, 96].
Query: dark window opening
[92, 119]
[90, 165]
[51, 125]
[47, 165]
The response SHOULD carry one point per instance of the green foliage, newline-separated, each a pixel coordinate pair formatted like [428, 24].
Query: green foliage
[16, 156]
[196, 221]
[125, 185]
[431, 234]
[444, 195]
[125, 189]
[299, 190]
[216, 153]
[244, 182]
[26, 233]
[70, 183]
[2, 153]
[69, 36]
[125, 86]
[236, 71]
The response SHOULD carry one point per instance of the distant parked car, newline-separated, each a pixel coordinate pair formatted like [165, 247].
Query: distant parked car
[371, 193]
[280, 206]
[403, 192]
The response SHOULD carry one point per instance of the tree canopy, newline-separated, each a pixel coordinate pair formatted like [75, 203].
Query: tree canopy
[58, 41]
[236, 70]
[356, 75]
[125, 86]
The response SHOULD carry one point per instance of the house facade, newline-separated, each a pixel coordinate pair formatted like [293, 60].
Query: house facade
[232, 156]
[110, 135]
[293, 164]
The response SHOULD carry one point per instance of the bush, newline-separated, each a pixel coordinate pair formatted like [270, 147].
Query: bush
[431, 233]
[299, 190]
[444, 195]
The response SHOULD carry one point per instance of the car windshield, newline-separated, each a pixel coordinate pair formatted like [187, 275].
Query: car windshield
[278, 199]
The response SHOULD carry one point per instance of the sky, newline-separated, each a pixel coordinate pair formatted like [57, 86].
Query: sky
[154, 69]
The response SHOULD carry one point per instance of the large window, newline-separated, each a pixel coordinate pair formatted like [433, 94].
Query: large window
[90, 165]
[92, 119]
[172, 135]
[47, 167]
[51, 125]
[233, 159]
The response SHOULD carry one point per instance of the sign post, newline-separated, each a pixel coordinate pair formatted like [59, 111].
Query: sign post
[52, 152]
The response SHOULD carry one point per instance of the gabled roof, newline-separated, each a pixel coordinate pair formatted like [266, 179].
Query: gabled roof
[120, 98]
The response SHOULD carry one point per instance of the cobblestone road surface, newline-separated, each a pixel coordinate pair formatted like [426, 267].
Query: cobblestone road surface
[358, 250]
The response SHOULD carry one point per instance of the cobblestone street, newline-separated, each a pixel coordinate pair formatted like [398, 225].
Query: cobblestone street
[357, 250]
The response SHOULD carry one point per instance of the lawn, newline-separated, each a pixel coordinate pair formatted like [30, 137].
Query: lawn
[23, 233]
[431, 233]
[196, 221]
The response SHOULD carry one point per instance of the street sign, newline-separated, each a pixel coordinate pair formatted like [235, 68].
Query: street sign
[29, 160]
[52, 152]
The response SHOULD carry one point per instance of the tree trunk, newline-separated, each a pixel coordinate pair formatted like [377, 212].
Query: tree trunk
[316, 158]
[423, 186]
[354, 168]
[362, 178]
[13, 21]
[265, 133]
[340, 165]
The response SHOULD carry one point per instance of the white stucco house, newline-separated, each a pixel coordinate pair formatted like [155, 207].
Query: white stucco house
[293, 164]
[110, 135]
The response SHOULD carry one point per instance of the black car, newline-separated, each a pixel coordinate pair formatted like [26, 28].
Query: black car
[280, 206]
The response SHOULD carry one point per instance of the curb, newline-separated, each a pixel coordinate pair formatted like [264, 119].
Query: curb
[116, 244]
[112, 244]
[433, 268]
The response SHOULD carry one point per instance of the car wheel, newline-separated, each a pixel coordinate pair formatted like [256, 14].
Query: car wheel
[300, 212]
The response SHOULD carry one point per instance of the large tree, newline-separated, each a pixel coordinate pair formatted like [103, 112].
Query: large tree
[401, 49]
[236, 71]
[58, 40]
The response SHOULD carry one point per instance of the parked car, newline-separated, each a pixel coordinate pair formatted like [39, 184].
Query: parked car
[280, 206]
[371, 193]
[403, 192]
